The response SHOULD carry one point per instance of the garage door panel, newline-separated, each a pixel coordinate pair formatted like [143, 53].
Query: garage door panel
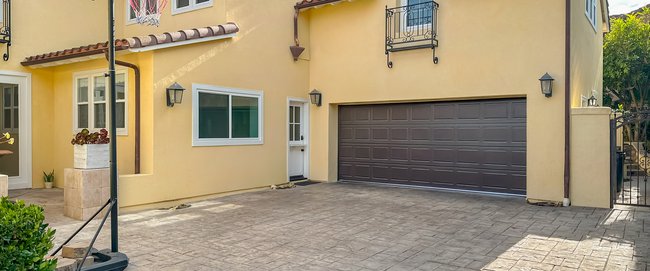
[475, 145]
[399, 113]
[469, 111]
[399, 134]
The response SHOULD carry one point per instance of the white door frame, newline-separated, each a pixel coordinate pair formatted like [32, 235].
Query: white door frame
[305, 124]
[25, 129]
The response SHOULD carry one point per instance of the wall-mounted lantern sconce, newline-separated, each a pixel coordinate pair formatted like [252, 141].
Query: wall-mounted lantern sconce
[174, 94]
[316, 97]
[547, 85]
[592, 102]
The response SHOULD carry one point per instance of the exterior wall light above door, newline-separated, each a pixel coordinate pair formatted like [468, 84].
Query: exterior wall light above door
[316, 97]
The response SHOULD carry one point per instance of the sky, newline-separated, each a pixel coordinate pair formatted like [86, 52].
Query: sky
[625, 6]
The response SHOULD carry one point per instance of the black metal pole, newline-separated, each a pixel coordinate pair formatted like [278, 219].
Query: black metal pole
[113, 128]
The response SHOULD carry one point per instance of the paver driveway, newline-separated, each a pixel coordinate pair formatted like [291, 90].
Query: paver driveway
[359, 227]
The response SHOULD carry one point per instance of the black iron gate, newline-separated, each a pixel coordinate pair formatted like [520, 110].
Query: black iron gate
[630, 158]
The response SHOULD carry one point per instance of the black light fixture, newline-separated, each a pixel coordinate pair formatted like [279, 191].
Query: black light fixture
[547, 85]
[316, 97]
[592, 101]
[174, 94]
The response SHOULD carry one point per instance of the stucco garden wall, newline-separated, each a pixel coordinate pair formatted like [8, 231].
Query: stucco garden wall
[590, 157]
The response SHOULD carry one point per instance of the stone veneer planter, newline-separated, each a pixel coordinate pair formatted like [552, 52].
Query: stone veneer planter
[85, 191]
[91, 156]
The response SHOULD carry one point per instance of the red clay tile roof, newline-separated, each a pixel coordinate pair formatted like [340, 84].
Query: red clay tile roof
[133, 43]
[312, 3]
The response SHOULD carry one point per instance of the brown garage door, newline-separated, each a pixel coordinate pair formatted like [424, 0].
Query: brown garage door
[471, 145]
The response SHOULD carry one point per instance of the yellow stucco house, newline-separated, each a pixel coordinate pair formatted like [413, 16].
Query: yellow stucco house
[442, 94]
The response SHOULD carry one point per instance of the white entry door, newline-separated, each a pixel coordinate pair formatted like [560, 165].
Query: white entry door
[15, 159]
[297, 141]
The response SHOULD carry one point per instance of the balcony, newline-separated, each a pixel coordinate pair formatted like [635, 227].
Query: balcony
[412, 27]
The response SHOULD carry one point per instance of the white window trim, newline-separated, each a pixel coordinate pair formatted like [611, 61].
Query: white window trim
[128, 13]
[193, 6]
[90, 75]
[203, 142]
[592, 18]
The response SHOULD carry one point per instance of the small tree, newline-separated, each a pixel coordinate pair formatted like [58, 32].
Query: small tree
[627, 62]
[24, 238]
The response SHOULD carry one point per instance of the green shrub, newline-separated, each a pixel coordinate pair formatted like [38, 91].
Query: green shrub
[24, 238]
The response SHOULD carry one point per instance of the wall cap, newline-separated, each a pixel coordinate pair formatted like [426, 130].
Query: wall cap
[591, 111]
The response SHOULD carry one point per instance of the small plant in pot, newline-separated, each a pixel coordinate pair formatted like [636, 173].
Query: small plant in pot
[91, 149]
[48, 178]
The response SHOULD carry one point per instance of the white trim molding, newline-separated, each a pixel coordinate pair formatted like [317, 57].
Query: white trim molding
[230, 92]
[193, 5]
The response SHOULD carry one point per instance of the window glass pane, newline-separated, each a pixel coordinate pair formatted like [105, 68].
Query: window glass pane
[16, 96]
[82, 116]
[213, 115]
[131, 11]
[151, 5]
[202, 1]
[7, 97]
[119, 86]
[291, 112]
[15, 118]
[7, 119]
[82, 90]
[297, 117]
[100, 115]
[120, 118]
[182, 3]
[291, 127]
[244, 117]
[99, 93]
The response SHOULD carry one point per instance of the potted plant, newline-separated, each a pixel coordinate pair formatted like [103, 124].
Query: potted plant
[91, 149]
[48, 178]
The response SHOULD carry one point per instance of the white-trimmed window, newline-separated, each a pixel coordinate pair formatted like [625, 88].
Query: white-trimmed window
[180, 6]
[226, 116]
[130, 13]
[591, 11]
[10, 108]
[91, 102]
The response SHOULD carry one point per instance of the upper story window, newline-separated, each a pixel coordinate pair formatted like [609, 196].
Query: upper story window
[418, 12]
[91, 102]
[590, 11]
[223, 116]
[180, 6]
[148, 6]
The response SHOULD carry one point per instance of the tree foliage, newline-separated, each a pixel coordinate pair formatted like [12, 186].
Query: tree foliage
[626, 53]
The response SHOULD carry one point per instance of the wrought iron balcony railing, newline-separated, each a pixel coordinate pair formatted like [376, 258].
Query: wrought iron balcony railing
[5, 26]
[412, 27]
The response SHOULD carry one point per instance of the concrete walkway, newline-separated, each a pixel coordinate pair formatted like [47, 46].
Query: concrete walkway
[360, 227]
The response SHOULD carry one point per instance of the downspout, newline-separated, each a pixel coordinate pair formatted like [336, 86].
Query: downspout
[296, 50]
[567, 105]
[136, 71]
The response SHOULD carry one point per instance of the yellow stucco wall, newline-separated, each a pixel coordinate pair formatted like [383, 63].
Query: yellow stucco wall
[52, 31]
[257, 58]
[590, 184]
[586, 55]
[483, 54]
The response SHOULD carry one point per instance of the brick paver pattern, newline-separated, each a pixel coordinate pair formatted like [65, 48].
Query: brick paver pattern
[360, 227]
